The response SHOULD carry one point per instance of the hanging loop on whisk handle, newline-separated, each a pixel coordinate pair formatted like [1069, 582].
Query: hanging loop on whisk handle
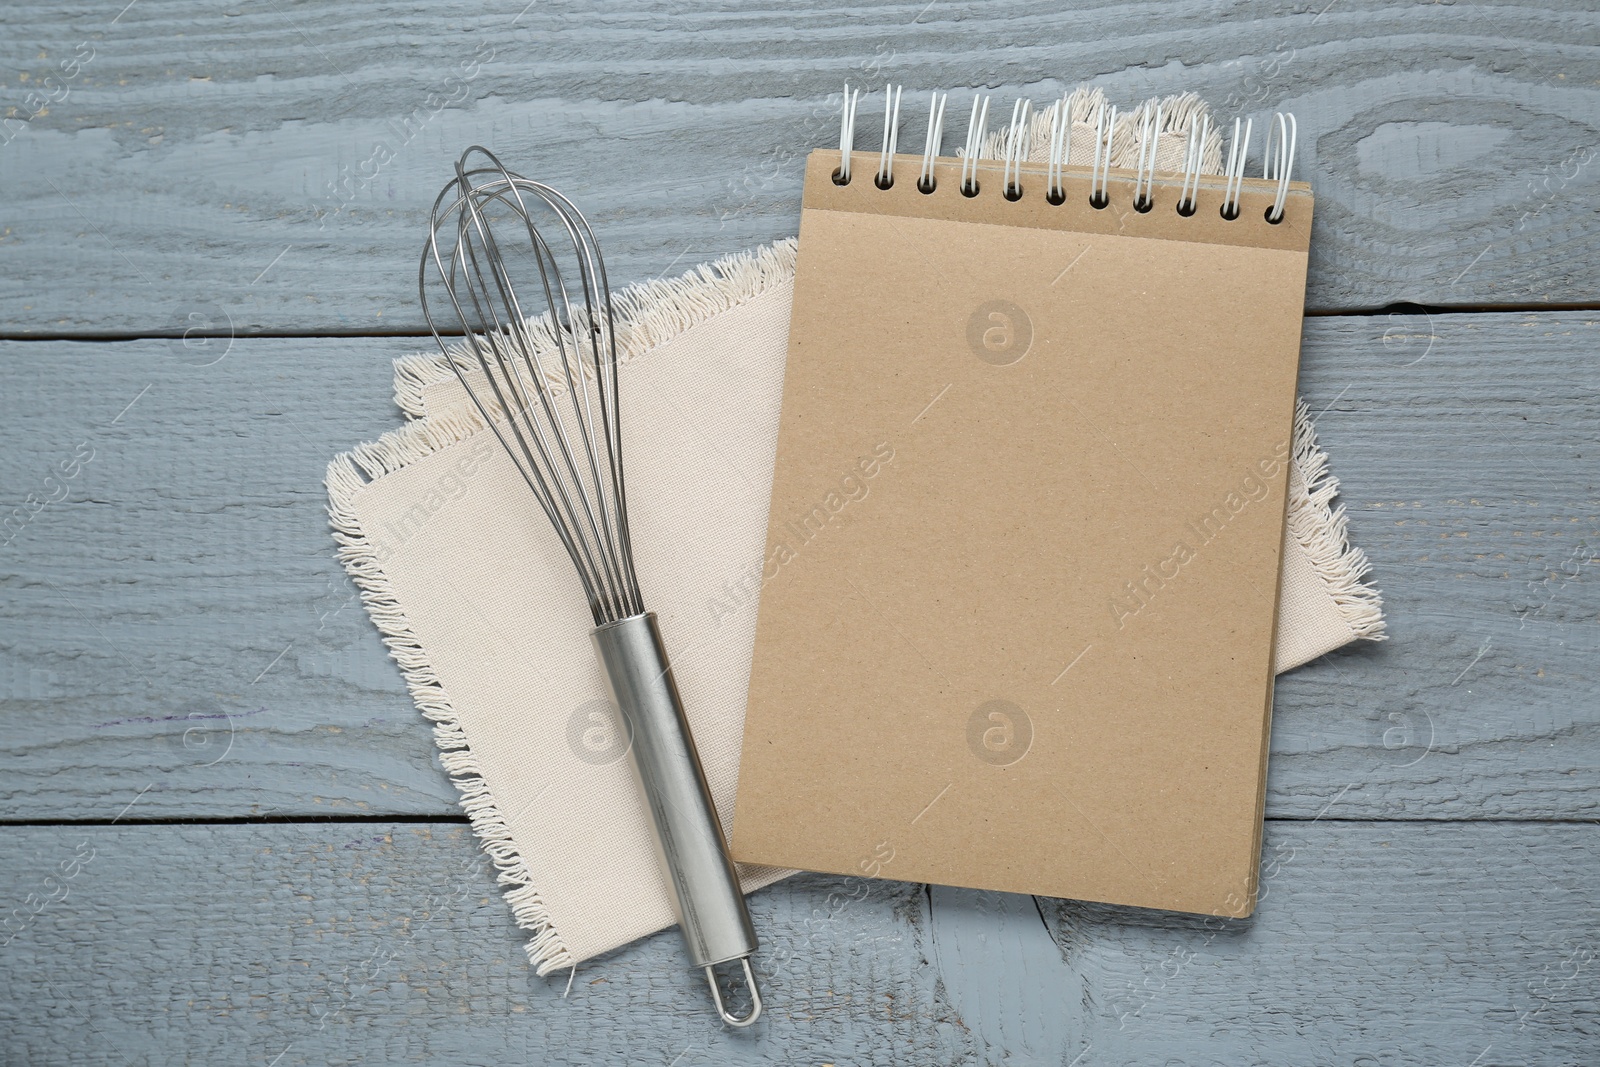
[689, 841]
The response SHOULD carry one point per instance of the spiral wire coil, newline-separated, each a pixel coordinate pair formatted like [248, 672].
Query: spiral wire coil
[1060, 150]
[1193, 157]
[1279, 161]
[1238, 148]
[935, 141]
[977, 125]
[891, 137]
[1016, 146]
[1149, 140]
[1015, 151]
[1105, 125]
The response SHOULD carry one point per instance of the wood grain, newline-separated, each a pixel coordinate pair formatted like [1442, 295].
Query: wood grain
[335, 943]
[178, 620]
[178, 642]
[268, 167]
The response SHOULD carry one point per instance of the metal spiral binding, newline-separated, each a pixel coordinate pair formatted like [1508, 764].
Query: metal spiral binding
[930, 150]
[1193, 157]
[1016, 152]
[1104, 126]
[977, 126]
[891, 137]
[1060, 150]
[1238, 148]
[847, 134]
[1279, 166]
[1017, 143]
[1144, 185]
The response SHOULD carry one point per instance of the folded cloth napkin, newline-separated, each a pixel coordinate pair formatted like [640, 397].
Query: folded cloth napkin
[481, 608]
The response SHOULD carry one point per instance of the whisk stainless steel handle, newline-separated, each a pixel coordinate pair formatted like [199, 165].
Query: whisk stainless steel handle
[547, 388]
[693, 854]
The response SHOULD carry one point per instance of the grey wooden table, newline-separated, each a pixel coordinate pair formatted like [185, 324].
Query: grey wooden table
[227, 838]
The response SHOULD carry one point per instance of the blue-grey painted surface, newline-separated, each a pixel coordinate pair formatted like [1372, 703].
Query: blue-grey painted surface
[178, 644]
[1452, 145]
[338, 943]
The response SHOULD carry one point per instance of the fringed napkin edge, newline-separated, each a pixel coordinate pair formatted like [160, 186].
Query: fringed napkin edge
[648, 315]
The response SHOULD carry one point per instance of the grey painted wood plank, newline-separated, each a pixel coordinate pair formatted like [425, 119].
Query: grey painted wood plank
[268, 167]
[334, 943]
[178, 620]
[1469, 460]
[252, 651]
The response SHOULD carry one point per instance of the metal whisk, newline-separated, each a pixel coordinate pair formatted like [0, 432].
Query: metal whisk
[548, 390]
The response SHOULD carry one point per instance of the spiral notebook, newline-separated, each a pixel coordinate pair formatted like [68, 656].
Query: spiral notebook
[1017, 616]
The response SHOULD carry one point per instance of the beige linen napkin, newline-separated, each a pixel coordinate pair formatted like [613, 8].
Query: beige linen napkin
[481, 608]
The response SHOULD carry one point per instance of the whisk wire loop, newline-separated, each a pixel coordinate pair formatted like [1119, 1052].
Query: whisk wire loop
[513, 332]
[546, 385]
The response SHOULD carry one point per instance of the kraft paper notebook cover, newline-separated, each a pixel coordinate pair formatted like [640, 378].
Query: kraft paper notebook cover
[1016, 627]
